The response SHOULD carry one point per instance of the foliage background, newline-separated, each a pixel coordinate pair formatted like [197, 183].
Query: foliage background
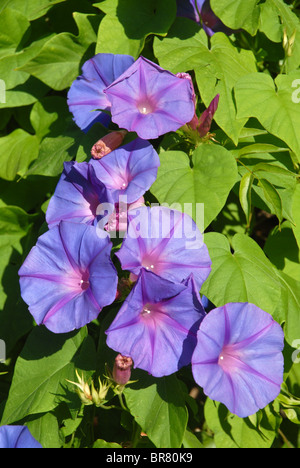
[248, 179]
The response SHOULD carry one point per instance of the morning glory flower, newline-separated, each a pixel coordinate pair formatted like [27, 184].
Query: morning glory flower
[17, 437]
[129, 171]
[149, 100]
[68, 277]
[238, 359]
[166, 242]
[86, 99]
[157, 324]
[78, 196]
[210, 22]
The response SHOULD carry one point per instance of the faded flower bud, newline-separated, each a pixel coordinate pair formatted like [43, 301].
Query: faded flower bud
[122, 369]
[108, 143]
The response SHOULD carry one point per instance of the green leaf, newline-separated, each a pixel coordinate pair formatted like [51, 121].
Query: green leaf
[291, 24]
[58, 62]
[258, 96]
[53, 152]
[32, 9]
[15, 321]
[289, 306]
[245, 195]
[272, 196]
[49, 116]
[272, 169]
[217, 69]
[238, 14]
[230, 431]
[17, 151]
[45, 429]
[296, 213]
[40, 373]
[259, 148]
[191, 441]
[277, 169]
[132, 21]
[21, 89]
[13, 27]
[270, 23]
[118, 43]
[88, 26]
[209, 180]
[100, 443]
[283, 251]
[158, 407]
[246, 275]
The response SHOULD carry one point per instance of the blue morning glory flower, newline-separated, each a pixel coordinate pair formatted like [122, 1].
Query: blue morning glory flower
[238, 359]
[128, 171]
[149, 100]
[157, 324]
[68, 277]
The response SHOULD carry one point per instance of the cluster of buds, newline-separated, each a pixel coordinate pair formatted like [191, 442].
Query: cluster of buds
[88, 393]
[116, 380]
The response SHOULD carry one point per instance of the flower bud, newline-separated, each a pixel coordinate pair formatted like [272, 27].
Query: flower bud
[122, 369]
[206, 118]
[108, 143]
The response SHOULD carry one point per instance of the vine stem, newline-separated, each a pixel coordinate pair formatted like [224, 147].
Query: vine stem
[122, 402]
[284, 438]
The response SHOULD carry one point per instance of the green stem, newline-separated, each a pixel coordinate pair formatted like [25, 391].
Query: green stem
[123, 406]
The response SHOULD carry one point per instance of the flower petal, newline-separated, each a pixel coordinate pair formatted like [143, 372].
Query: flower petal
[86, 95]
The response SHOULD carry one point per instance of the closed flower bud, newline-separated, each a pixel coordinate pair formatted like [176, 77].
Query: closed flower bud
[122, 369]
[108, 143]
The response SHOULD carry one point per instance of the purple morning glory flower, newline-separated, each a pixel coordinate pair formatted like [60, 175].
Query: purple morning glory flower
[149, 100]
[211, 23]
[238, 359]
[68, 277]
[129, 171]
[86, 99]
[166, 242]
[17, 437]
[79, 196]
[157, 324]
